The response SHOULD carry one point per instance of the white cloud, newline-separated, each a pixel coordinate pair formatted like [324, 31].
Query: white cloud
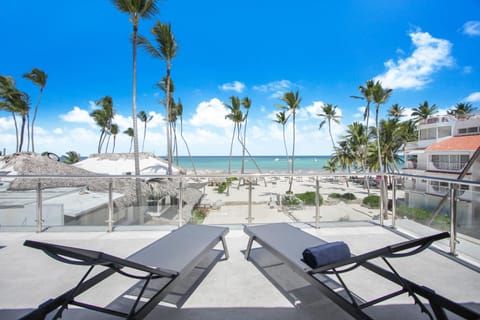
[430, 55]
[473, 97]
[6, 124]
[467, 69]
[58, 131]
[236, 86]
[471, 28]
[275, 86]
[78, 115]
[210, 113]
[315, 108]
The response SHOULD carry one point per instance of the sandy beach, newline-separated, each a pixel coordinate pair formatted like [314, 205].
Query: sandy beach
[232, 206]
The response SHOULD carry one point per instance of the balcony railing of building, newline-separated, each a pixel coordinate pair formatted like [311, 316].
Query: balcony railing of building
[105, 202]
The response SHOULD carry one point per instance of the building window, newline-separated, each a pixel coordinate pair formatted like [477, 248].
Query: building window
[452, 162]
[470, 130]
[427, 134]
[444, 131]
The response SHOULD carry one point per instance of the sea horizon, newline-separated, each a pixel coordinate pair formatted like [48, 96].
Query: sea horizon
[266, 164]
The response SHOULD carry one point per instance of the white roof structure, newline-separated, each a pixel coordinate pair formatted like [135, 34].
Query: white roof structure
[124, 164]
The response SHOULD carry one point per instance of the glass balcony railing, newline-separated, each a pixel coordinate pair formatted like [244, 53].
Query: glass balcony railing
[105, 202]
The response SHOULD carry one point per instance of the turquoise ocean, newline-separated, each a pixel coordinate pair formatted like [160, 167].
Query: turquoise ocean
[267, 164]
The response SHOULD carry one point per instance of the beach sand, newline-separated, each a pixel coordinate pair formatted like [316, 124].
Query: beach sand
[233, 207]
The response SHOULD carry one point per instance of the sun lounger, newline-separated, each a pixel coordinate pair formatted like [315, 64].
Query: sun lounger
[287, 243]
[168, 260]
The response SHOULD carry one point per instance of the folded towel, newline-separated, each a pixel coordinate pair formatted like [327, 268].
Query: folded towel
[325, 254]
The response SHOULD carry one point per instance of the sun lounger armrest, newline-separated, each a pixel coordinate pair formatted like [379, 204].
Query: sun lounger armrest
[78, 256]
[392, 251]
[418, 245]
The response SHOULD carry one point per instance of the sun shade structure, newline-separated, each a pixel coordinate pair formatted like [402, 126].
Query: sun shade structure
[287, 243]
[159, 267]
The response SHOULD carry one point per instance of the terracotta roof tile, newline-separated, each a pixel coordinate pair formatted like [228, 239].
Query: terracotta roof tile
[461, 143]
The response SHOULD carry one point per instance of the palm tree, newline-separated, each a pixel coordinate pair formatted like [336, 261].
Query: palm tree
[355, 137]
[167, 49]
[282, 118]
[179, 108]
[39, 78]
[396, 111]
[136, 9]
[71, 157]
[246, 103]
[329, 114]
[15, 102]
[462, 110]
[236, 116]
[103, 118]
[331, 165]
[367, 95]
[423, 111]
[129, 132]
[292, 101]
[380, 96]
[145, 119]
[114, 132]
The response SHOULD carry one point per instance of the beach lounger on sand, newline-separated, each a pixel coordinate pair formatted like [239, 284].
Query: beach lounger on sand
[159, 267]
[287, 243]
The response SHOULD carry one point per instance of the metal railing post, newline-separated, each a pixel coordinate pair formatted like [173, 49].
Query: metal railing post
[317, 203]
[39, 208]
[249, 202]
[110, 206]
[382, 200]
[453, 219]
[394, 201]
[180, 203]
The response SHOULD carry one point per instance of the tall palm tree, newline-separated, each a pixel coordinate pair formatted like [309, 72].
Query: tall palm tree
[292, 102]
[71, 157]
[167, 49]
[380, 96]
[103, 117]
[462, 110]
[282, 118]
[396, 111]
[129, 132]
[329, 114]
[145, 119]
[246, 103]
[136, 9]
[114, 132]
[367, 95]
[179, 107]
[39, 78]
[423, 111]
[355, 137]
[16, 102]
[236, 116]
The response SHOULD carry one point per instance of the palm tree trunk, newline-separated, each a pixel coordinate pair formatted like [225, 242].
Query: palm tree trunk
[22, 133]
[231, 149]
[113, 147]
[365, 153]
[380, 164]
[186, 145]
[169, 133]
[285, 146]
[293, 154]
[28, 132]
[16, 130]
[138, 186]
[144, 135]
[35, 117]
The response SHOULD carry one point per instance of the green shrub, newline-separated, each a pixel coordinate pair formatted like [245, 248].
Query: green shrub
[221, 187]
[198, 215]
[291, 201]
[417, 214]
[335, 195]
[308, 198]
[372, 201]
[348, 196]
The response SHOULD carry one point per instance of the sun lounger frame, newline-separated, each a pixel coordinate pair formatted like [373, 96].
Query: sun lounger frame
[140, 263]
[267, 237]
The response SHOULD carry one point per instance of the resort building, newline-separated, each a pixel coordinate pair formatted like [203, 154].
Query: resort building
[447, 148]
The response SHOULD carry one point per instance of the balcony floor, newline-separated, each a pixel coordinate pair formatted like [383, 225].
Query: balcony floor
[234, 288]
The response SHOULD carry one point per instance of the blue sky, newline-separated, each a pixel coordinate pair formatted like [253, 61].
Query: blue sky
[423, 50]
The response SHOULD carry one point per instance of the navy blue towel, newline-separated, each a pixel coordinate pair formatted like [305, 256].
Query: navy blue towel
[325, 254]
